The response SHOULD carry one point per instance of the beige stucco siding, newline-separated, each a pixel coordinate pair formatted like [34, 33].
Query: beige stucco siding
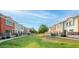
[60, 27]
[74, 27]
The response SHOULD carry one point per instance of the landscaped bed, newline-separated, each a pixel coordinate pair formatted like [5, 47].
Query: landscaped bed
[35, 41]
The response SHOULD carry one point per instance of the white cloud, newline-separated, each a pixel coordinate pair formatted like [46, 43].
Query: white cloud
[41, 14]
[11, 11]
[38, 15]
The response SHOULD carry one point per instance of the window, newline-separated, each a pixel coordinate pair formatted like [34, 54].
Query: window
[67, 24]
[7, 31]
[70, 23]
[71, 30]
[8, 22]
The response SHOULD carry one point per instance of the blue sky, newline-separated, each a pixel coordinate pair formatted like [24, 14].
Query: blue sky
[34, 18]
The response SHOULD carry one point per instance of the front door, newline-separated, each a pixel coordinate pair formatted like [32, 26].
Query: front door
[65, 32]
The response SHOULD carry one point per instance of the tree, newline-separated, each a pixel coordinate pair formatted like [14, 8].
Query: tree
[43, 28]
[33, 30]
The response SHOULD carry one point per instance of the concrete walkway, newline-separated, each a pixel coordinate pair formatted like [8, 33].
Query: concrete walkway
[3, 40]
[71, 38]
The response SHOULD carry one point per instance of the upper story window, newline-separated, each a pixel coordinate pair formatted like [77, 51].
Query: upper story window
[70, 23]
[8, 22]
[67, 24]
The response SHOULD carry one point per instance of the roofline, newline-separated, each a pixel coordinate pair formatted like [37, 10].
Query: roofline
[66, 19]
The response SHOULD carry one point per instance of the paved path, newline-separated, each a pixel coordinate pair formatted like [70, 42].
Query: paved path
[69, 38]
[3, 40]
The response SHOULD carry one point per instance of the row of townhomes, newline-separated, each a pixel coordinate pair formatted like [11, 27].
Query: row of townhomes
[68, 27]
[9, 27]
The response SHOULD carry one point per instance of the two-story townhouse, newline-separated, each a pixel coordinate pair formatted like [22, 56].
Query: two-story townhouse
[60, 28]
[53, 29]
[6, 26]
[71, 25]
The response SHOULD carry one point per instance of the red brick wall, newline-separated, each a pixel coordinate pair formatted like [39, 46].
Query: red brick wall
[3, 26]
[2, 23]
[8, 27]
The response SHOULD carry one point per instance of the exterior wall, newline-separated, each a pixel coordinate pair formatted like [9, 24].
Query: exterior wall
[19, 29]
[78, 24]
[69, 27]
[73, 28]
[13, 27]
[57, 29]
[60, 28]
[9, 26]
[50, 31]
[26, 30]
[53, 30]
[4, 27]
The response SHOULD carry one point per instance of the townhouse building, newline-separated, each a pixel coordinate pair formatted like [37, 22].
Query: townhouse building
[71, 25]
[9, 27]
[53, 29]
[60, 28]
[27, 30]
[57, 28]
[17, 29]
[20, 29]
[68, 27]
[50, 30]
[6, 26]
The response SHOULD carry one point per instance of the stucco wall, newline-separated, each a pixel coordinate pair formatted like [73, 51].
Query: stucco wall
[74, 27]
[60, 27]
[18, 28]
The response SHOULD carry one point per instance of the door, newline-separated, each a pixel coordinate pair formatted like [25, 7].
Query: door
[65, 32]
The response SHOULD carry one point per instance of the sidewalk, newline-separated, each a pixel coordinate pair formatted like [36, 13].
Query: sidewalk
[71, 38]
[3, 40]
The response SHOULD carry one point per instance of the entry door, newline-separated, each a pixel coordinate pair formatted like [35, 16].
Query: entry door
[64, 32]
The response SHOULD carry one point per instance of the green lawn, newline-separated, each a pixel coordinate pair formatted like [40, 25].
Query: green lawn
[34, 41]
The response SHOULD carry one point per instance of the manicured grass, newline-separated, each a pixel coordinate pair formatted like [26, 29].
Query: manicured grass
[34, 41]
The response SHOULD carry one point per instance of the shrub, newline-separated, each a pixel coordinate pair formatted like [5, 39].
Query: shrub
[53, 34]
[63, 35]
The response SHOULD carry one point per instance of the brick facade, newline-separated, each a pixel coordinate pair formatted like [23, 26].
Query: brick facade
[4, 27]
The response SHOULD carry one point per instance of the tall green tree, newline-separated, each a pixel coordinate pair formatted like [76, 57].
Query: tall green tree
[43, 28]
[33, 30]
